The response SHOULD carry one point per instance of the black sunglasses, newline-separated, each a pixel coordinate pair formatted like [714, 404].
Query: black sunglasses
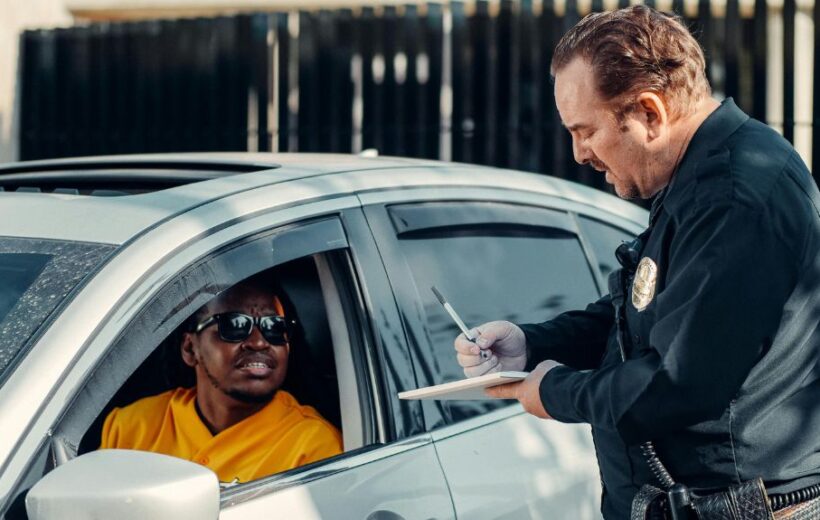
[237, 326]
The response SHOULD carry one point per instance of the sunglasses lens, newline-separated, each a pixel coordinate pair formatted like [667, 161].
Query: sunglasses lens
[273, 329]
[234, 327]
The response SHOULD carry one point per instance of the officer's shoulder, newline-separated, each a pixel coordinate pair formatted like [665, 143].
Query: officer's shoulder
[754, 168]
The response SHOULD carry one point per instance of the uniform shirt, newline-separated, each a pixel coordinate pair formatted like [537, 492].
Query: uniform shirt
[722, 364]
[281, 436]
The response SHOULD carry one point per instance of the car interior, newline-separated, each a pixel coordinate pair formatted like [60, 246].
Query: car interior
[311, 377]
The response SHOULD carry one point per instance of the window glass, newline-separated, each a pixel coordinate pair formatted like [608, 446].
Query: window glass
[604, 240]
[35, 277]
[493, 275]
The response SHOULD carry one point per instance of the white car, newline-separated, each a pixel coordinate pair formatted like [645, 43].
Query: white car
[102, 259]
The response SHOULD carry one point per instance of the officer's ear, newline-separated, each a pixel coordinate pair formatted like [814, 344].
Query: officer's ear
[652, 114]
[187, 349]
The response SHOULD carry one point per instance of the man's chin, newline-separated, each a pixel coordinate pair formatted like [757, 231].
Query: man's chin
[626, 192]
[248, 397]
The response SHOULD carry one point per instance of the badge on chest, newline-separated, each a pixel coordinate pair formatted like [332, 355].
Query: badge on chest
[643, 287]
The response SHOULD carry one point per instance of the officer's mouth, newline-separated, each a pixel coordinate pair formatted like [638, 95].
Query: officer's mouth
[599, 167]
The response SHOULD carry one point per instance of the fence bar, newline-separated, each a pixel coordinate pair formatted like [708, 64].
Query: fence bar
[461, 131]
[815, 136]
[789, 11]
[760, 47]
[507, 103]
[373, 76]
[732, 48]
[432, 44]
[530, 75]
[482, 42]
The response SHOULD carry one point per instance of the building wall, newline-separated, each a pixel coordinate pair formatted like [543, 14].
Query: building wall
[16, 16]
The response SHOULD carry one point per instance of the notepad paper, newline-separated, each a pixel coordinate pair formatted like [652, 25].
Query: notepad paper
[466, 389]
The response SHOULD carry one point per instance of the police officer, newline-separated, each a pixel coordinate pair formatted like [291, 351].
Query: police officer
[708, 342]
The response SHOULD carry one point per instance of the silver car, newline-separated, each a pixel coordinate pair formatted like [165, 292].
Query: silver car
[102, 259]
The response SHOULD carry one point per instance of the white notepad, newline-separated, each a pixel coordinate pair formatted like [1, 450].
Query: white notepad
[466, 389]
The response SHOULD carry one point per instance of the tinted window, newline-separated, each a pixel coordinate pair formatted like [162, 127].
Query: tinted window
[18, 271]
[35, 277]
[604, 240]
[505, 273]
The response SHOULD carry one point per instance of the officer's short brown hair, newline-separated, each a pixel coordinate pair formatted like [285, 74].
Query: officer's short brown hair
[638, 49]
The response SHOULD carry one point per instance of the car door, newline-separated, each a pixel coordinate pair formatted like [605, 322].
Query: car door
[514, 257]
[389, 468]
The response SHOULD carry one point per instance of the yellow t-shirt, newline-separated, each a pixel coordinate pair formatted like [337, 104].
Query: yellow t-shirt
[281, 436]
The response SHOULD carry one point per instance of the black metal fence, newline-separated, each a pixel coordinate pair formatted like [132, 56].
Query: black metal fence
[462, 81]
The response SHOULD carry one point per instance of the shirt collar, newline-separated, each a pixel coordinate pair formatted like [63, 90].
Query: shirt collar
[711, 134]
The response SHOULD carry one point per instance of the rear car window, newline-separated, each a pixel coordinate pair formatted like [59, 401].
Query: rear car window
[36, 277]
[520, 277]
[604, 239]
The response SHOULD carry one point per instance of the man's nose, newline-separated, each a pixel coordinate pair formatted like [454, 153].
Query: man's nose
[256, 341]
[580, 152]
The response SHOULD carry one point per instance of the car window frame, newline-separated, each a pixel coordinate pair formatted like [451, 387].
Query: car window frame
[216, 271]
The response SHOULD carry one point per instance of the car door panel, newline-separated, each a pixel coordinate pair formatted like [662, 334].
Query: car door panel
[394, 482]
[552, 472]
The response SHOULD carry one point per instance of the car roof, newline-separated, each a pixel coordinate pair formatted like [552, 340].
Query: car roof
[171, 184]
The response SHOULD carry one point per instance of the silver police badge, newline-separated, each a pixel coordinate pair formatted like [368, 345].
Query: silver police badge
[643, 287]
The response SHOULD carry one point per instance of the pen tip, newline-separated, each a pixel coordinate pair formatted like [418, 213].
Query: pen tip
[438, 294]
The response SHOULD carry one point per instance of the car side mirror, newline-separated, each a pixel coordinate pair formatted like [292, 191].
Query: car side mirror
[126, 485]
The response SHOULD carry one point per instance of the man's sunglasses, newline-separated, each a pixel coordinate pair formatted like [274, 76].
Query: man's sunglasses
[236, 326]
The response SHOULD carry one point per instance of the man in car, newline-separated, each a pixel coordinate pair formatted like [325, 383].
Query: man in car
[236, 420]
[708, 343]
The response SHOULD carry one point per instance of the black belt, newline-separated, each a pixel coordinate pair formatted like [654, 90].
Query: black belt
[781, 501]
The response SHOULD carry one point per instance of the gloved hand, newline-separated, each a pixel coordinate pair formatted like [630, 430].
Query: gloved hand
[502, 339]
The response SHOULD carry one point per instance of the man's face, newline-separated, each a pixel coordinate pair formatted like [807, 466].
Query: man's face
[249, 371]
[621, 149]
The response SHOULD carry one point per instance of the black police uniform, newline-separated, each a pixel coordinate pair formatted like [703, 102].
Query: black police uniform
[720, 327]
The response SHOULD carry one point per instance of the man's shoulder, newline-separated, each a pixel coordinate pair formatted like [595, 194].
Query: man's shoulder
[149, 407]
[755, 168]
[303, 415]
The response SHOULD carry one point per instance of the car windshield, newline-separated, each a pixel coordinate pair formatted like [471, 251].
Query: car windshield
[36, 277]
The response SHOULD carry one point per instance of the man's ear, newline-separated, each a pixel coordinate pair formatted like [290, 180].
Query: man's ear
[653, 114]
[187, 349]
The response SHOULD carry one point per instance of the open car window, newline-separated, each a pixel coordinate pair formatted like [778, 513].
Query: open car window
[307, 259]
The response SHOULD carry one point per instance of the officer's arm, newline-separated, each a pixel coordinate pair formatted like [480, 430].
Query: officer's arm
[728, 278]
[576, 338]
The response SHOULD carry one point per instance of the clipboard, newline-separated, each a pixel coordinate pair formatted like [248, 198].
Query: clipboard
[469, 389]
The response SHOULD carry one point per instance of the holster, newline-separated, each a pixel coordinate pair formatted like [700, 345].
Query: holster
[744, 501]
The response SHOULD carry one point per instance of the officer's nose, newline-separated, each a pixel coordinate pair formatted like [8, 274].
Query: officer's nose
[581, 152]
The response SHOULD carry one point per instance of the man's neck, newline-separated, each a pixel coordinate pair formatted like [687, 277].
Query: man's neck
[690, 124]
[219, 414]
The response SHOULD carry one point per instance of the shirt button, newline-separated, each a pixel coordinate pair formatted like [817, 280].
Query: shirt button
[637, 338]
[204, 460]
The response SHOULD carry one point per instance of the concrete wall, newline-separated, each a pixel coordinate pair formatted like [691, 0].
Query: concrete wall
[15, 16]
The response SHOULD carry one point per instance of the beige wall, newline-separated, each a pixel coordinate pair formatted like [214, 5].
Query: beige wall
[15, 16]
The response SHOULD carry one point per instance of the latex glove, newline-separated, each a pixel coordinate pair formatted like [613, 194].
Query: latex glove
[505, 342]
[528, 391]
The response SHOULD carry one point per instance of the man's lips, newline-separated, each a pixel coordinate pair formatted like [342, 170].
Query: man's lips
[258, 367]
